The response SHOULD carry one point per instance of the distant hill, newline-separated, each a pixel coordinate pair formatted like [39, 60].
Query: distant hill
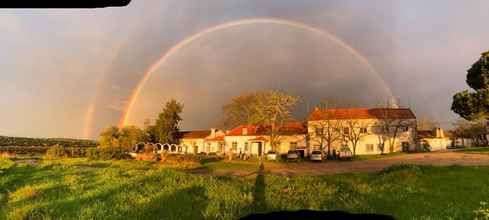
[43, 142]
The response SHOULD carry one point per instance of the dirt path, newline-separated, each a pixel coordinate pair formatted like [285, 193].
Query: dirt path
[334, 167]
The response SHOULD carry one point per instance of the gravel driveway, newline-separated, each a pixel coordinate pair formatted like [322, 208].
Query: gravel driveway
[334, 167]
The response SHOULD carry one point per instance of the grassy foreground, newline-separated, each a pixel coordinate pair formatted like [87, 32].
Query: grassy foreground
[82, 189]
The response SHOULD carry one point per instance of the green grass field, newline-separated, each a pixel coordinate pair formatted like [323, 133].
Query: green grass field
[82, 189]
[478, 150]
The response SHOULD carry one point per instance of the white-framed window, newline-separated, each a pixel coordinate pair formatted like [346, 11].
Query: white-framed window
[246, 147]
[235, 146]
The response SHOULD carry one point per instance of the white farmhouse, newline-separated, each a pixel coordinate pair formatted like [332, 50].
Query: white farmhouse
[387, 129]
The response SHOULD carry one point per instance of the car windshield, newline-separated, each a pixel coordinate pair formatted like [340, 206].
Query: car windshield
[242, 109]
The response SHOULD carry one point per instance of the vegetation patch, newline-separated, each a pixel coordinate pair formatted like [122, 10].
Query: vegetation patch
[92, 189]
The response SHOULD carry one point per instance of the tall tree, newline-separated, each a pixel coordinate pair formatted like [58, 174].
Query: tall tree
[150, 134]
[130, 136]
[471, 104]
[243, 109]
[109, 137]
[275, 109]
[167, 124]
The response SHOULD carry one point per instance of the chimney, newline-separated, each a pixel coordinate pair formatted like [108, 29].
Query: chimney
[245, 131]
[213, 132]
[439, 133]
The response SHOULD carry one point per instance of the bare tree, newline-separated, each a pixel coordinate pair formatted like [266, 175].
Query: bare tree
[354, 131]
[275, 109]
[390, 123]
[327, 130]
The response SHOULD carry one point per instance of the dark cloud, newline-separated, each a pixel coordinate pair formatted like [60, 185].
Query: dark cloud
[52, 60]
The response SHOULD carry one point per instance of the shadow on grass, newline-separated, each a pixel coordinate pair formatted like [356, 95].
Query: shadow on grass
[188, 203]
[259, 204]
[259, 207]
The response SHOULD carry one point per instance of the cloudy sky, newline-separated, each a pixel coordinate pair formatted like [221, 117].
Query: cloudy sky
[69, 73]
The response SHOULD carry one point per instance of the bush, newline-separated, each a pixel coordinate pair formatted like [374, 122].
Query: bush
[56, 152]
[111, 153]
[91, 153]
[6, 163]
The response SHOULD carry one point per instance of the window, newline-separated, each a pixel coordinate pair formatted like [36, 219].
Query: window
[293, 145]
[369, 147]
[208, 148]
[319, 131]
[221, 146]
[246, 149]
[403, 129]
[363, 130]
[235, 146]
[346, 131]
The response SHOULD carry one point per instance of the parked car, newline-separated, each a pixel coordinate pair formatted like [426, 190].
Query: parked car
[272, 155]
[316, 156]
[292, 155]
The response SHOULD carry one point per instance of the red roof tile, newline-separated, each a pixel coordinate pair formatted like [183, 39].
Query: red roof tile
[195, 134]
[361, 113]
[218, 138]
[255, 130]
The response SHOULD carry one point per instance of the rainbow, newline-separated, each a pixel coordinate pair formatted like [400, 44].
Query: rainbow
[154, 67]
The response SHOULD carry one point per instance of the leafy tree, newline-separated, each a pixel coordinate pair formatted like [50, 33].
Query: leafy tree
[150, 134]
[167, 124]
[471, 104]
[109, 137]
[243, 109]
[130, 136]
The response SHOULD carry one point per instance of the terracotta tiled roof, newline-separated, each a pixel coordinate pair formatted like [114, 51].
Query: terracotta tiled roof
[218, 138]
[255, 130]
[259, 138]
[239, 131]
[195, 134]
[361, 113]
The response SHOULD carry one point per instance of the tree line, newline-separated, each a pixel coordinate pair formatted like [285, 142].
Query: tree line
[45, 142]
[165, 129]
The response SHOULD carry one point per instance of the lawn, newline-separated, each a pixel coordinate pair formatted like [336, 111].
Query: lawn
[380, 156]
[83, 189]
[478, 150]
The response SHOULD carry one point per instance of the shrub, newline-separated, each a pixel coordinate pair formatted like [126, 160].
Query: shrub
[91, 153]
[6, 163]
[111, 153]
[55, 152]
